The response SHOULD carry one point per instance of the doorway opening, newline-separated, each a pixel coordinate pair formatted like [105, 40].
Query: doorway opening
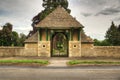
[59, 45]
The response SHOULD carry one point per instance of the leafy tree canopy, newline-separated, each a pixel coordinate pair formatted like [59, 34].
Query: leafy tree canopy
[9, 37]
[113, 35]
[101, 43]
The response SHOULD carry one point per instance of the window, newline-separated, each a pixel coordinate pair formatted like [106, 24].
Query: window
[44, 46]
[75, 46]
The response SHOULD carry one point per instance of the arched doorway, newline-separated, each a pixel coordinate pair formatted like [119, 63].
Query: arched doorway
[59, 45]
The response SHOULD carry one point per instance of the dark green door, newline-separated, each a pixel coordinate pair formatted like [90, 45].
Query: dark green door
[59, 45]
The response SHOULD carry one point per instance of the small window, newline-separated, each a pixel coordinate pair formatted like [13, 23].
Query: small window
[44, 46]
[75, 46]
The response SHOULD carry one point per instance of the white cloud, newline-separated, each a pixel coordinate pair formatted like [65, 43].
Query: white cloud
[95, 26]
[21, 12]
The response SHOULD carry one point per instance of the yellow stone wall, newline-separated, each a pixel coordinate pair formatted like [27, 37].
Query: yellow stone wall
[44, 49]
[74, 49]
[31, 49]
[87, 49]
[31, 45]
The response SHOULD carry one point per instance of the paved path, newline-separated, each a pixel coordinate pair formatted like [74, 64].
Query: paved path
[88, 73]
[58, 63]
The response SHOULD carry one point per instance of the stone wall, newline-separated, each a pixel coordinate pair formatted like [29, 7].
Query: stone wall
[88, 50]
[31, 49]
[44, 49]
[28, 50]
[11, 51]
[74, 49]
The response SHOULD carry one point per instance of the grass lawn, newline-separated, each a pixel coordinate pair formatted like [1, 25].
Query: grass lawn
[92, 62]
[25, 62]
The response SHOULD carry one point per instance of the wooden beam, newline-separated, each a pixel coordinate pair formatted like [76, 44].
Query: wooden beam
[72, 34]
[40, 34]
[79, 34]
[46, 34]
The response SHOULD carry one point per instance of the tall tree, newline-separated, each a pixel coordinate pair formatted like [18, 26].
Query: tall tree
[15, 38]
[119, 28]
[11, 38]
[22, 39]
[118, 35]
[1, 38]
[7, 35]
[52, 4]
[112, 35]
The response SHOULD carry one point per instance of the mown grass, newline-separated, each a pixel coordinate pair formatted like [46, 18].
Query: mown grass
[43, 62]
[76, 62]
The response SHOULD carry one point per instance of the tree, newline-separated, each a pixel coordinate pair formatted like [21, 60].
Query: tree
[1, 38]
[118, 38]
[6, 36]
[52, 4]
[15, 39]
[101, 43]
[119, 28]
[113, 35]
[22, 39]
[11, 38]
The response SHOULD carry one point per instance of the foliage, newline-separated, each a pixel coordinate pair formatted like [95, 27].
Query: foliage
[6, 35]
[9, 37]
[113, 35]
[101, 43]
[22, 39]
[119, 28]
[15, 38]
[52, 4]
[75, 62]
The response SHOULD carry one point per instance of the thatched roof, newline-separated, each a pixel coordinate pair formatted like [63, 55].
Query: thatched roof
[85, 38]
[33, 38]
[59, 18]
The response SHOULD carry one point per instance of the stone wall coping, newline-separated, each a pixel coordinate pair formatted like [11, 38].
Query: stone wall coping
[2, 47]
[74, 41]
[106, 46]
[44, 41]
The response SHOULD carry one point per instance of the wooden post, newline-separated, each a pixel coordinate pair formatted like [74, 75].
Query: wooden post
[51, 33]
[79, 34]
[40, 34]
[46, 34]
[72, 34]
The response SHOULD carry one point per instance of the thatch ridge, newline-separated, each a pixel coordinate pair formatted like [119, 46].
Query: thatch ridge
[59, 18]
[85, 38]
[33, 38]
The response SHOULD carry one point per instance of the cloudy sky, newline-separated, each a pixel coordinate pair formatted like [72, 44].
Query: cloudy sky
[95, 15]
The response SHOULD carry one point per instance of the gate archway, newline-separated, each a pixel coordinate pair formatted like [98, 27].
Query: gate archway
[59, 45]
